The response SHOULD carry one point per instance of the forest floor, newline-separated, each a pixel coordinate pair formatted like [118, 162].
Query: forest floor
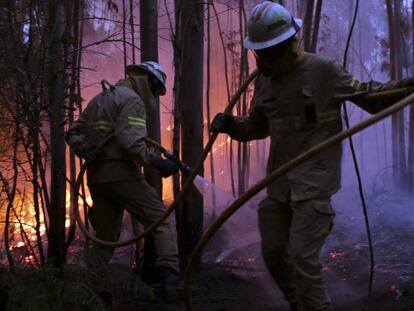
[237, 280]
[241, 284]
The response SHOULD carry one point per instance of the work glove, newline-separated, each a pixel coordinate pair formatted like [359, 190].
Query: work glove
[222, 123]
[167, 168]
[406, 82]
[89, 154]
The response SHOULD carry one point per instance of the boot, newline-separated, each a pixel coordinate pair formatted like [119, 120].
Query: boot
[172, 285]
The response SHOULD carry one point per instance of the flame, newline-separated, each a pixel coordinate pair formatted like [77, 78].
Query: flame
[25, 220]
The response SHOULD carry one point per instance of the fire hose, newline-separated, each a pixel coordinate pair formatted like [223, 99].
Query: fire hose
[227, 213]
[187, 185]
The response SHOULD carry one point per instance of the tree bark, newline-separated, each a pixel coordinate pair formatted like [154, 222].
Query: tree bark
[243, 148]
[149, 52]
[410, 167]
[399, 48]
[307, 27]
[190, 96]
[397, 127]
[315, 29]
[73, 31]
[56, 102]
[208, 104]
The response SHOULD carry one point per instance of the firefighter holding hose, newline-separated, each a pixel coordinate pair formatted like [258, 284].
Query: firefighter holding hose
[114, 175]
[297, 101]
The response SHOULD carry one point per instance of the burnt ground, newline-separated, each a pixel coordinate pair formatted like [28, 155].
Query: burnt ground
[236, 279]
[241, 283]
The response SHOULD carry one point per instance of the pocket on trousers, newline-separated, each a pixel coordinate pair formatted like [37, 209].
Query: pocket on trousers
[324, 214]
[323, 206]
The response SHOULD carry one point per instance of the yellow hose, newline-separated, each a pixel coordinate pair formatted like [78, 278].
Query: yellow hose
[209, 233]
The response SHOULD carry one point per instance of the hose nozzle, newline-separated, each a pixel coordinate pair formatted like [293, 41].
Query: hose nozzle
[181, 165]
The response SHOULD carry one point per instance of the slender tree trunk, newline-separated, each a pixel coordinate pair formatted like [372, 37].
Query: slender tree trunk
[149, 52]
[79, 106]
[394, 119]
[307, 29]
[397, 120]
[73, 30]
[243, 148]
[229, 147]
[124, 45]
[410, 167]
[208, 104]
[35, 182]
[315, 28]
[56, 103]
[191, 30]
[11, 193]
[176, 41]
[399, 48]
[131, 23]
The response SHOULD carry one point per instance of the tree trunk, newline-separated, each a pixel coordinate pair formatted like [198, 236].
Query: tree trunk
[316, 23]
[307, 27]
[149, 52]
[208, 104]
[243, 148]
[410, 167]
[56, 102]
[176, 143]
[73, 31]
[124, 44]
[397, 120]
[399, 48]
[190, 96]
[131, 24]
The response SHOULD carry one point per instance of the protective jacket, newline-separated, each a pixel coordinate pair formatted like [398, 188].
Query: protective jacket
[122, 111]
[300, 109]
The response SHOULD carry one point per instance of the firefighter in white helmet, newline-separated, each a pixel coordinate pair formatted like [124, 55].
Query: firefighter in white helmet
[297, 101]
[114, 176]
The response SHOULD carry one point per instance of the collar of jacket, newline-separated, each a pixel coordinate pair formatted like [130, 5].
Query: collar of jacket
[140, 85]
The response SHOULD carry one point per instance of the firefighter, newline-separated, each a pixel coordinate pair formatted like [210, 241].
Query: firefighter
[297, 101]
[114, 175]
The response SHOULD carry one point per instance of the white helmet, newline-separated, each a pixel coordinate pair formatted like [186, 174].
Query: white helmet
[270, 24]
[153, 68]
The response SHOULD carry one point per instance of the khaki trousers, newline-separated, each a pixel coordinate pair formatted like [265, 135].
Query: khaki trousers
[144, 203]
[292, 236]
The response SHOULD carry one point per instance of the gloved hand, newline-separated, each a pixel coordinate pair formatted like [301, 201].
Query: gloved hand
[406, 82]
[221, 123]
[167, 168]
[87, 153]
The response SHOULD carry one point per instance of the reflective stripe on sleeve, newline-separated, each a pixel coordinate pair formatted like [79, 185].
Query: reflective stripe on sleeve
[137, 121]
[101, 125]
